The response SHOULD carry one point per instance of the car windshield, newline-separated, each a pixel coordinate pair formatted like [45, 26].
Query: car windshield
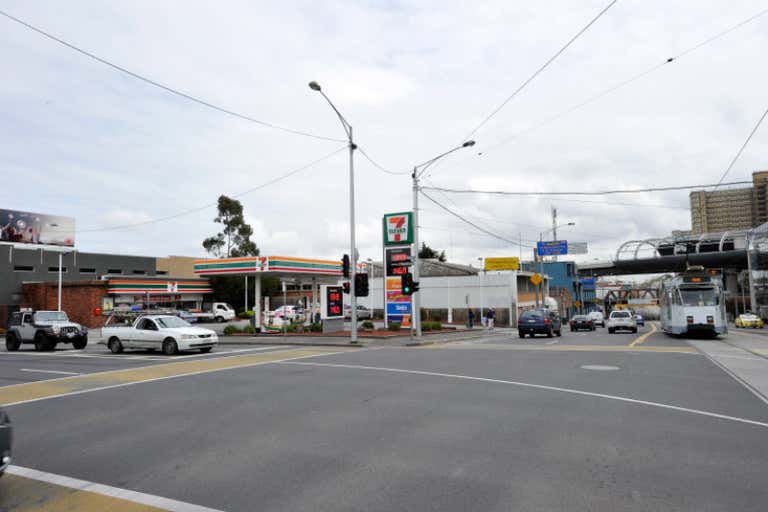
[699, 297]
[51, 316]
[172, 322]
[620, 314]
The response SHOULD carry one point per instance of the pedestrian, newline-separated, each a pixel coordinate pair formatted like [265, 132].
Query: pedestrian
[470, 318]
[489, 322]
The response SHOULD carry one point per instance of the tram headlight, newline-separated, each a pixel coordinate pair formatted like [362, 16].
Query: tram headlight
[710, 319]
[689, 319]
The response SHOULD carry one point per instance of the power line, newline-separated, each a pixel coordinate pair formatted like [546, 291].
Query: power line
[487, 232]
[582, 193]
[542, 68]
[209, 205]
[165, 87]
[379, 167]
[741, 149]
[626, 82]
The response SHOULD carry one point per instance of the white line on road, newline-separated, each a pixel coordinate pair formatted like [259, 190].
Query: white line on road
[534, 386]
[551, 342]
[48, 371]
[107, 490]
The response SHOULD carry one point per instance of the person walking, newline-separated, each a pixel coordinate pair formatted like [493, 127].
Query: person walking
[470, 318]
[489, 318]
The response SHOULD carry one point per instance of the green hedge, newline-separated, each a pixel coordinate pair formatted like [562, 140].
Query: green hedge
[232, 329]
[393, 326]
[431, 326]
[248, 329]
[367, 324]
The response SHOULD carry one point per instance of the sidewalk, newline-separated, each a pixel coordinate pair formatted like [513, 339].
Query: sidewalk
[744, 365]
[752, 340]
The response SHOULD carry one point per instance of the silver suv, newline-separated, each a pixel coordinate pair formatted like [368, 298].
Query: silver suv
[45, 329]
[621, 320]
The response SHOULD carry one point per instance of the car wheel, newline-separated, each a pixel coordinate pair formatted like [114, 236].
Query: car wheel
[205, 350]
[80, 344]
[572, 329]
[115, 346]
[170, 347]
[219, 319]
[521, 334]
[40, 342]
[610, 330]
[634, 331]
[550, 333]
[559, 332]
[12, 343]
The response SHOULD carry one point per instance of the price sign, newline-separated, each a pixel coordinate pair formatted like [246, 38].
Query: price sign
[332, 302]
[398, 260]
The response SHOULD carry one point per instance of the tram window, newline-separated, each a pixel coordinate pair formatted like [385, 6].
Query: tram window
[700, 297]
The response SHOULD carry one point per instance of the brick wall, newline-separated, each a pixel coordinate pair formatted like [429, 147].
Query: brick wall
[78, 299]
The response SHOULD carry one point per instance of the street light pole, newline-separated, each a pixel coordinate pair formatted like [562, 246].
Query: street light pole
[352, 245]
[419, 171]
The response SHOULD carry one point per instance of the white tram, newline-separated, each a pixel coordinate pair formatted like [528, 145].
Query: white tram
[692, 302]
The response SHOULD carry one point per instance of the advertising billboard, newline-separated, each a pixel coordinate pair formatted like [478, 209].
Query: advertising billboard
[36, 228]
[509, 263]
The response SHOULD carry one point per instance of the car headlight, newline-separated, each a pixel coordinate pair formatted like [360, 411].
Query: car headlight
[188, 336]
[56, 329]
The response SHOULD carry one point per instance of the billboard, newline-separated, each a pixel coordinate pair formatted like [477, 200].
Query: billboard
[577, 248]
[36, 228]
[398, 228]
[509, 263]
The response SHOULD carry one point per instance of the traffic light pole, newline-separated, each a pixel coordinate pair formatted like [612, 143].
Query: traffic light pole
[415, 298]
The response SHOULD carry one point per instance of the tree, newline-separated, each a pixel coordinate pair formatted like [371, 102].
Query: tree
[235, 239]
[428, 253]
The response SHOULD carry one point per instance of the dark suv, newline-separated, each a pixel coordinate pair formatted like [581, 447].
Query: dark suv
[539, 321]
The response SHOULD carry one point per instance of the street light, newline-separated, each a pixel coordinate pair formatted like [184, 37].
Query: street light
[541, 260]
[418, 171]
[352, 248]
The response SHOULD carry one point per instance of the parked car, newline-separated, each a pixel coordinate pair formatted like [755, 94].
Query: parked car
[45, 329]
[539, 321]
[186, 316]
[168, 333]
[621, 320]
[749, 320]
[597, 318]
[640, 320]
[5, 441]
[580, 322]
[363, 313]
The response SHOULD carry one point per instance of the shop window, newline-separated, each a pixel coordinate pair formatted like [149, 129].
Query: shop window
[306, 287]
[56, 269]
[115, 271]
[23, 268]
[140, 272]
[87, 270]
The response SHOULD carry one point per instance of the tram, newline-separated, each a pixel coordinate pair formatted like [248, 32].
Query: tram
[692, 303]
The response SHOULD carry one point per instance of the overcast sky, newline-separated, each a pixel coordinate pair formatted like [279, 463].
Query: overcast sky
[413, 78]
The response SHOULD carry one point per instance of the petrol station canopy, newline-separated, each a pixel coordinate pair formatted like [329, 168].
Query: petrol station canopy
[283, 267]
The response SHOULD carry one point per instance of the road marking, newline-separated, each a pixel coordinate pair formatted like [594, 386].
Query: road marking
[59, 492]
[642, 338]
[551, 342]
[567, 348]
[49, 371]
[79, 384]
[536, 386]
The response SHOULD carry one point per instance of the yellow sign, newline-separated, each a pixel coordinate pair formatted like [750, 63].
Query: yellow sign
[536, 279]
[502, 263]
[577, 304]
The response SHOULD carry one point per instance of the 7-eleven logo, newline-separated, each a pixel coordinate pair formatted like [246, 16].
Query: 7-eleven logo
[397, 228]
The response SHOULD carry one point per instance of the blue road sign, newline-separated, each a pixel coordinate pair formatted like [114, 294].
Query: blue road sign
[552, 248]
[588, 283]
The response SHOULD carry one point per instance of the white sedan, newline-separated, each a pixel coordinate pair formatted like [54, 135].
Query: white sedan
[167, 333]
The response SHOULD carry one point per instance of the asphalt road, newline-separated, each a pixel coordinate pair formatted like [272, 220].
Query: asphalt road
[590, 422]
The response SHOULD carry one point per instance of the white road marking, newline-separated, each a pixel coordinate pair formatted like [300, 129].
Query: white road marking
[535, 386]
[551, 342]
[48, 371]
[135, 356]
[168, 377]
[107, 490]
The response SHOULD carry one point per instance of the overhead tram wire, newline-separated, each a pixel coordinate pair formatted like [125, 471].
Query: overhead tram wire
[583, 193]
[487, 232]
[614, 87]
[165, 87]
[213, 204]
[378, 166]
[741, 149]
[540, 69]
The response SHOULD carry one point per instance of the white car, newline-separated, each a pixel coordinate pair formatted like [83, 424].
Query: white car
[597, 318]
[621, 319]
[167, 333]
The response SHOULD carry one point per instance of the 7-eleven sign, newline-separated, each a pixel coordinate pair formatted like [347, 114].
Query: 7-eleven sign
[398, 228]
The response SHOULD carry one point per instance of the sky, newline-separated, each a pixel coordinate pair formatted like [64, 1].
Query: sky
[80, 139]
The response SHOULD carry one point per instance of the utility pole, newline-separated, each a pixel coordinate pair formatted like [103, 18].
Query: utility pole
[554, 227]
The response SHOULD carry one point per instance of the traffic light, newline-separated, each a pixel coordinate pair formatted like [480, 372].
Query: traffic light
[345, 266]
[406, 283]
[345, 286]
[361, 285]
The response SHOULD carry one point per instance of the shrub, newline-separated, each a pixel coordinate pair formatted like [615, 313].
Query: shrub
[316, 327]
[393, 326]
[232, 329]
[431, 326]
[367, 324]
[246, 315]
[248, 329]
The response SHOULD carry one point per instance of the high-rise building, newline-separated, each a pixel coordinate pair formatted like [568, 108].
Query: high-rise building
[731, 209]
